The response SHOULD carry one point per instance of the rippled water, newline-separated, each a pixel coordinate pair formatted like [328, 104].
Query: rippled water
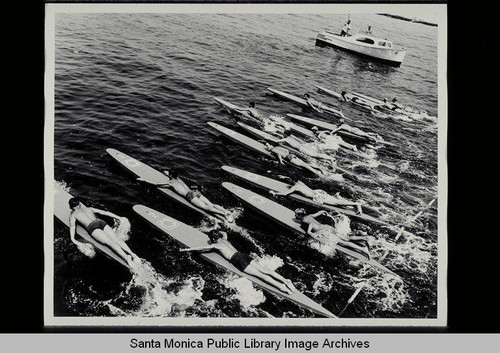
[143, 84]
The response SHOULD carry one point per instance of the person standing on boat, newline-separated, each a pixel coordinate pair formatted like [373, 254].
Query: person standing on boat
[244, 262]
[346, 29]
[328, 235]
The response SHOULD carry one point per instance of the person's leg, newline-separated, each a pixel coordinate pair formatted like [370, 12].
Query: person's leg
[300, 163]
[359, 249]
[101, 237]
[331, 200]
[208, 206]
[252, 270]
[112, 236]
[208, 202]
[274, 274]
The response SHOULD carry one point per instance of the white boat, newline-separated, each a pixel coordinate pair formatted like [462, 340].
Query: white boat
[365, 45]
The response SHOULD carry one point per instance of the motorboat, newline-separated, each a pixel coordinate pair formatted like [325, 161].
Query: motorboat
[364, 44]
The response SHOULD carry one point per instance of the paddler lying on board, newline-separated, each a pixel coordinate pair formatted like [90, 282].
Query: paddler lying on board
[329, 138]
[318, 106]
[98, 230]
[284, 154]
[357, 100]
[356, 131]
[393, 105]
[318, 196]
[244, 262]
[328, 235]
[302, 147]
[252, 111]
[193, 195]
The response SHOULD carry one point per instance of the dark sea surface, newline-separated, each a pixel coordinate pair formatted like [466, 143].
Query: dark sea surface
[144, 84]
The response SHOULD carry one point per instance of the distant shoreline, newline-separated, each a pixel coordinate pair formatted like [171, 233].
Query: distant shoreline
[409, 19]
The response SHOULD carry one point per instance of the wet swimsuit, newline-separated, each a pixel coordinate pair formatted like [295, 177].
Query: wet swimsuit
[241, 260]
[192, 194]
[97, 224]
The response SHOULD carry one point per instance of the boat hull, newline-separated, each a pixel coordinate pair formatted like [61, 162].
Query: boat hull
[392, 57]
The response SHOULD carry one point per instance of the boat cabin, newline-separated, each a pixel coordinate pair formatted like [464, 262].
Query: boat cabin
[374, 41]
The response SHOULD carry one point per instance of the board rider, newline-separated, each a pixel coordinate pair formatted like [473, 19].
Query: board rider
[99, 230]
[252, 111]
[284, 155]
[357, 100]
[326, 136]
[302, 147]
[314, 104]
[192, 194]
[318, 196]
[244, 262]
[326, 234]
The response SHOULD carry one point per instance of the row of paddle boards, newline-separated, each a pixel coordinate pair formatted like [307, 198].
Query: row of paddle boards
[183, 233]
[191, 237]
[240, 112]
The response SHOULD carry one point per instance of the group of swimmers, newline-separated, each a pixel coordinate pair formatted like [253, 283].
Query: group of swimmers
[102, 233]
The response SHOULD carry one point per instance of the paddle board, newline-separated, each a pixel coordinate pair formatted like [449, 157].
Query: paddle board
[257, 146]
[259, 133]
[62, 212]
[329, 92]
[303, 102]
[234, 109]
[366, 102]
[268, 184]
[148, 173]
[242, 139]
[328, 126]
[191, 237]
[285, 217]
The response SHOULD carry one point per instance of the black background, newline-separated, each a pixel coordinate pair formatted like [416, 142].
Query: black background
[473, 252]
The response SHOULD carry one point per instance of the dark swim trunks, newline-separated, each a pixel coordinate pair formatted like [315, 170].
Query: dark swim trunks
[241, 260]
[97, 224]
[192, 194]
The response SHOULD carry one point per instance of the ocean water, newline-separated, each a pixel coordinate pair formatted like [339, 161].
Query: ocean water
[144, 84]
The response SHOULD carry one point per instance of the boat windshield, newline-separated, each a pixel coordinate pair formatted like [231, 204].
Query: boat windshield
[365, 40]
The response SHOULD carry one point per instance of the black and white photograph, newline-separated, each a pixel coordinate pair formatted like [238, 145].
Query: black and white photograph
[245, 165]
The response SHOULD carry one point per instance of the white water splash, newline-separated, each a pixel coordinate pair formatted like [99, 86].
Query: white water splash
[160, 296]
[243, 290]
[122, 228]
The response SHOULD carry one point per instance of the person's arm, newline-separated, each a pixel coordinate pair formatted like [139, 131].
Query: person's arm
[319, 213]
[312, 105]
[160, 185]
[279, 158]
[331, 132]
[72, 230]
[199, 248]
[105, 213]
[309, 230]
[286, 193]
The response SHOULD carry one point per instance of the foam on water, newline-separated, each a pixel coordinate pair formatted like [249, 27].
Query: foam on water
[244, 291]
